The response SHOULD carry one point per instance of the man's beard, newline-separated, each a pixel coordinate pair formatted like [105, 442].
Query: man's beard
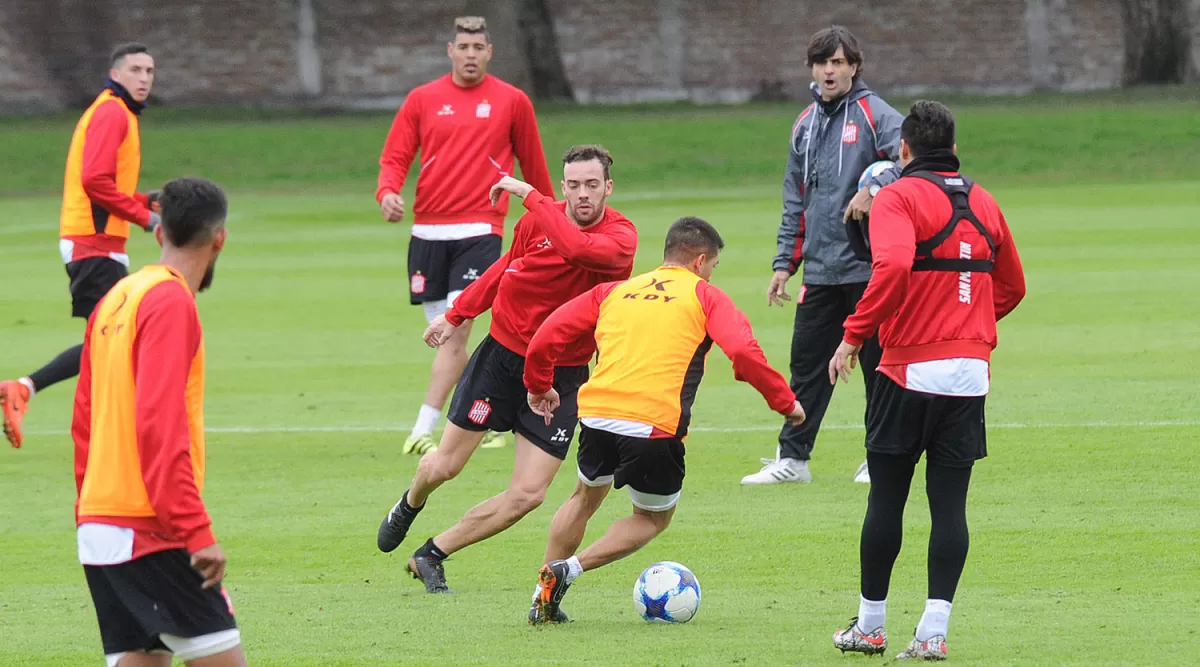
[593, 216]
[207, 280]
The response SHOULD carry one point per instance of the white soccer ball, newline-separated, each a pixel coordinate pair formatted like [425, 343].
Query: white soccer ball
[667, 592]
[875, 169]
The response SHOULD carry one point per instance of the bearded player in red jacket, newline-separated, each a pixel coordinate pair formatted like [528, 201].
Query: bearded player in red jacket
[559, 251]
[944, 269]
[469, 126]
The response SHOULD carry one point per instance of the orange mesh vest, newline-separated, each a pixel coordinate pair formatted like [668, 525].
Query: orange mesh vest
[652, 340]
[113, 483]
[79, 216]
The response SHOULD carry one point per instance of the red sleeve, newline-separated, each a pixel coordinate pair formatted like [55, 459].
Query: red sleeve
[565, 325]
[527, 144]
[610, 251]
[479, 295]
[81, 419]
[730, 330]
[893, 248]
[400, 148]
[105, 132]
[1008, 277]
[168, 336]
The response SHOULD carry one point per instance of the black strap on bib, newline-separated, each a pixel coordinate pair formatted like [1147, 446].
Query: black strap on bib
[958, 190]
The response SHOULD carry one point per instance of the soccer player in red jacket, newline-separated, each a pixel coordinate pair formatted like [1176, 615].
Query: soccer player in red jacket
[559, 251]
[945, 269]
[468, 126]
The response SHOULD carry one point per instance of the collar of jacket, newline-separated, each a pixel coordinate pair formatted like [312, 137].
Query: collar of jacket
[938, 159]
[857, 91]
[120, 91]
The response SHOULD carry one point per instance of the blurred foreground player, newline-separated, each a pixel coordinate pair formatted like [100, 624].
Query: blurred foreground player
[945, 269]
[145, 538]
[559, 251]
[653, 333]
[100, 202]
[468, 126]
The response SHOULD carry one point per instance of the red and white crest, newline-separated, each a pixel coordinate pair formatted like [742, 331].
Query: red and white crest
[850, 133]
[418, 284]
[480, 412]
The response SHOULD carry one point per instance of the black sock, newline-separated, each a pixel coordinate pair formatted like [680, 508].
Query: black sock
[64, 367]
[405, 507]
[430, 550]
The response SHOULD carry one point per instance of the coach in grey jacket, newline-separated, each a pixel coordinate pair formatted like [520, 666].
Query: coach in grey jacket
[844, 130]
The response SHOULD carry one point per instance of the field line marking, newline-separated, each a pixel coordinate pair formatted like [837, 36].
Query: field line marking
[397, 428]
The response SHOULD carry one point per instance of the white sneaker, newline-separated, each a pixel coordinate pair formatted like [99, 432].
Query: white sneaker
[777, 471]
[862, 475]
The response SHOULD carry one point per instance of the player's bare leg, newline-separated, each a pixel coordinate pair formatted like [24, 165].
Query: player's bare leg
[570, 521]
[625, 537]
[448, 364]
[435, 468]
[142, 659]
[533, 470]
[234, 657]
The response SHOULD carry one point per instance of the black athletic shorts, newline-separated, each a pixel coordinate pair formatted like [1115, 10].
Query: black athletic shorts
[91, 279]
[491, 396]
[950, 430]
[156, 594]
[437, 268]
[647, 465]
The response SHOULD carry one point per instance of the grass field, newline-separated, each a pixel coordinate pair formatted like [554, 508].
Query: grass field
[1085, 541]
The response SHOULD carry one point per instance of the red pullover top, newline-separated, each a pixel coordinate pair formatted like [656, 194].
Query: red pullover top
[931, 315]
[468, 138]
[550, 262]
[139, 432]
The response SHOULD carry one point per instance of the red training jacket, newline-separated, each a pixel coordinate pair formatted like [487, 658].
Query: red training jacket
[550, 262]
[932, 315]
[168, 335]
[468, 138]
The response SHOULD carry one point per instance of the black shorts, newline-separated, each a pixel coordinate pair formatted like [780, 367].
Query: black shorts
[648, 466]
[156, 594]
[91, 279]
[950, 430]
[491, 396]
[437, 268]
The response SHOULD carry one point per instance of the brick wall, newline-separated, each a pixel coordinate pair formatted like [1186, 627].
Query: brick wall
[371, 52]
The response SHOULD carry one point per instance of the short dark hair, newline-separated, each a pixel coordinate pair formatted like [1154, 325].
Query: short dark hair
[122, 50]
[471, 25]
[928, 126]
[825, 43]
[587, 152]
[193, 209]
[690, 237]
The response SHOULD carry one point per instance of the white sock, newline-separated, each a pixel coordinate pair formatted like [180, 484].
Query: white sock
[935, 621]
[575, 569]
[28, 385]
[426, 420]
[871, 615]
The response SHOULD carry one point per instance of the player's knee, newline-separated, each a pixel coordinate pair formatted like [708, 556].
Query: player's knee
[439, 467]
[524, 501]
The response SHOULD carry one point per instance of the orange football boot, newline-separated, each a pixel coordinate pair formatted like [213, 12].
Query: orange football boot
[14, 401]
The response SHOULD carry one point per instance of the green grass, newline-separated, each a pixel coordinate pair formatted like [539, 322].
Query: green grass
[1042, 139]
[1084, 546]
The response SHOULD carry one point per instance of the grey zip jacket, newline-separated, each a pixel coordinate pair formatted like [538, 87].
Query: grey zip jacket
[832, 143]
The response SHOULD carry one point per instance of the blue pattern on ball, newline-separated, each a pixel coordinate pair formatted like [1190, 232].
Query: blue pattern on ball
[655, 607]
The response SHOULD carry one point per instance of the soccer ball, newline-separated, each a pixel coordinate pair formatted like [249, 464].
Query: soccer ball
[667, 592]
[874, 170]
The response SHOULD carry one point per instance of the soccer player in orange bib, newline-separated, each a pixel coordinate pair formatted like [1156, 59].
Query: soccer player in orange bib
[100, 207]
[653, 333]
[144, 536]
